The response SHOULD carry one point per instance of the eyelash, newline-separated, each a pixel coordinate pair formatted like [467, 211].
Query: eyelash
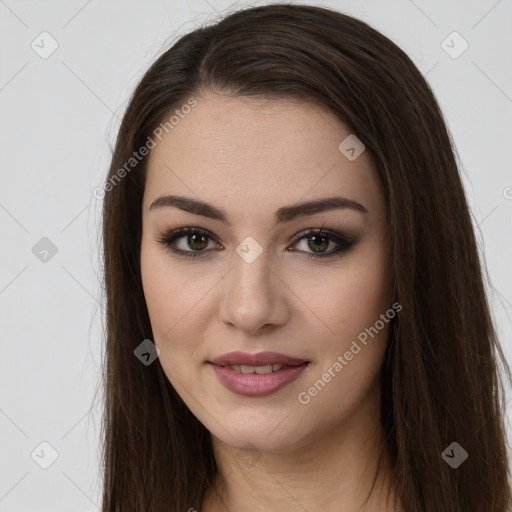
[168, 238]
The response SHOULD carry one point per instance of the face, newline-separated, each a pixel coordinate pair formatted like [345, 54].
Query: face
[253, 274]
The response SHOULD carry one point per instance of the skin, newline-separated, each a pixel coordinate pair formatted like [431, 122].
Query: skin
[251, 158]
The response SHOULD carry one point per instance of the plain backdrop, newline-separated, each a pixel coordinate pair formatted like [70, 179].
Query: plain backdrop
[59, 117]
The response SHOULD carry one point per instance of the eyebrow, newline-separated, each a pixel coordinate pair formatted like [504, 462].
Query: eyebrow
[283, 214]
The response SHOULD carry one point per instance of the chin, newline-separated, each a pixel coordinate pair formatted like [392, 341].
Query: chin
[270, 437]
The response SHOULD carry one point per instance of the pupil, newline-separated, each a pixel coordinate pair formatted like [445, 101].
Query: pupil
[314, 240]
[194, 241]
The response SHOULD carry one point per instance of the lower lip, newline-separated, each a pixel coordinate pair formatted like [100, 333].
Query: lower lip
[255, 384]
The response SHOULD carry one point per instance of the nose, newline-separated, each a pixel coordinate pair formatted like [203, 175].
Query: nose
[253, 295]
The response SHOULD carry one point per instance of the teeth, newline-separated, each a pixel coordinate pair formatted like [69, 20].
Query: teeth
[256, 369]
[263, 369]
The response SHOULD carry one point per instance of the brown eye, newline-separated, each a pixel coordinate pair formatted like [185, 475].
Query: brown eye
[194, 239]
[318, 243]
[196, 242]
[318, 240]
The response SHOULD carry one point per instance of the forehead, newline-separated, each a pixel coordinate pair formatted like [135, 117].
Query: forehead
[253, 154]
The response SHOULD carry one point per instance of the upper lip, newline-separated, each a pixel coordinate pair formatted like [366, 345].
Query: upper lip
[259, 359]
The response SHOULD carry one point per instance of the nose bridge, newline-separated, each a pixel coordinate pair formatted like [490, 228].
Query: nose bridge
[251, 298]
[251, 275]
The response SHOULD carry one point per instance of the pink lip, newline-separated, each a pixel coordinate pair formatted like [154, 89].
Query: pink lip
[259, 359]
[254, 384]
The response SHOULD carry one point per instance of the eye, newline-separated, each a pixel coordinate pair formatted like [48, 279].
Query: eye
[195, 238]
[317, 240]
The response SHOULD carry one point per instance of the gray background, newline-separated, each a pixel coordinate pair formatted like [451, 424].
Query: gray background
[59, 117]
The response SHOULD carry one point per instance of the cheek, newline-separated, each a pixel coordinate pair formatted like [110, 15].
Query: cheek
[350, 356]
[161, 288]
[175, 302]
[352, 306]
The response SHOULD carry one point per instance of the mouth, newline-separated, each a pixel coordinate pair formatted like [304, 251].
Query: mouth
[257, 380]
[261, 369]
[261, 362]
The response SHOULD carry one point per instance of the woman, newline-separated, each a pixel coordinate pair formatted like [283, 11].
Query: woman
[296, 316]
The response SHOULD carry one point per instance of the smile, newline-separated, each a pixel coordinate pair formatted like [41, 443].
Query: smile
[257, 381]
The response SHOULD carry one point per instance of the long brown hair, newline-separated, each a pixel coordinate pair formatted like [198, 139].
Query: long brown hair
[441, 382]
